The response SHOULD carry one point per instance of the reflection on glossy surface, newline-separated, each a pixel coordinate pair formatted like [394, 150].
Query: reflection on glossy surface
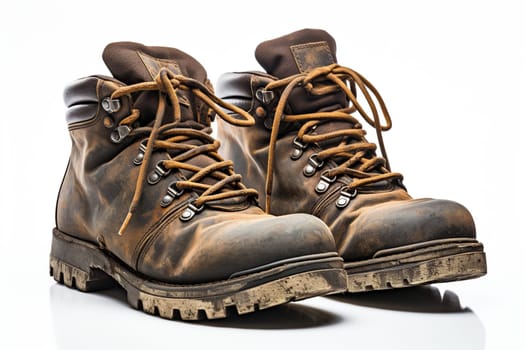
[288, 316]
[415, 299]
[104, 320]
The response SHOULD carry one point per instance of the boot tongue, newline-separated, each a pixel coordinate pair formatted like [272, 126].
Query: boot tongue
[300, 52]
[133, 63]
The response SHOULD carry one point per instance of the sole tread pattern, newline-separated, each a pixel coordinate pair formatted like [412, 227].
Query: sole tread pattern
[240, 296]
[439, 269]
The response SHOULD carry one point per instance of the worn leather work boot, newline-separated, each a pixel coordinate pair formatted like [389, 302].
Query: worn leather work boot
[147, 202]
[308, 154]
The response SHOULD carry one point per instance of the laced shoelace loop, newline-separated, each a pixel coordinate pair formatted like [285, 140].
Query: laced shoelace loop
[176, 132]
[353, 153]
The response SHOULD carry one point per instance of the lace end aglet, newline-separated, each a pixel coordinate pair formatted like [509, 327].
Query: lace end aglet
[125, 224]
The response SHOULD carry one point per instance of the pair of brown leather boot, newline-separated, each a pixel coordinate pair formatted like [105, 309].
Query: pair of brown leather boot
[150, 199]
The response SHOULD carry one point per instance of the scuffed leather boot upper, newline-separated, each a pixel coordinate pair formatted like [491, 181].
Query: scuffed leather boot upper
[308, 152]
[145, 181]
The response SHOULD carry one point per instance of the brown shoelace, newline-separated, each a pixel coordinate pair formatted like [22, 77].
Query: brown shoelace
[363, 168]
[174, 136]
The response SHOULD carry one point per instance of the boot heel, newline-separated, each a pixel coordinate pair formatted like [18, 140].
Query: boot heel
[74, 277]
[70, 263]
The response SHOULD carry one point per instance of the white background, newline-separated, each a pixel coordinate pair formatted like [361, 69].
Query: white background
[452, 74]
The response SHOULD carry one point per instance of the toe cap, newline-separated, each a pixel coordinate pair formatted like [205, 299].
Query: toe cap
[401, 223]
[216, 247]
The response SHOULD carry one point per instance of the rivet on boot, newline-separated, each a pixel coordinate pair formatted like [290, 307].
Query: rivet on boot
[299, 148]
[345, 198]
[109, 122]
[173, 193]
[159, 172]
[312, 166]
[260, 112]
[324, 183]
[142, 149]
[190, 212]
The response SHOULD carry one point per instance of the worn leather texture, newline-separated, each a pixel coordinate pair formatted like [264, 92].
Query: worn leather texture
[97, 189]
[381, 216]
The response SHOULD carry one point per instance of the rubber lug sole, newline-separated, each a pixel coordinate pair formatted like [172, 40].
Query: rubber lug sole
[83, 266]
[437, 261]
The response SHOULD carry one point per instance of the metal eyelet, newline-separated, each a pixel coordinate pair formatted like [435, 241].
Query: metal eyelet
[190, 212]
[142, 149]
[299, 148]
[324, 183]
[110, 105]
[313, 165]
[265, 96]
[345, 198]
[119, 133]
[171, 194]
[158, 173]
